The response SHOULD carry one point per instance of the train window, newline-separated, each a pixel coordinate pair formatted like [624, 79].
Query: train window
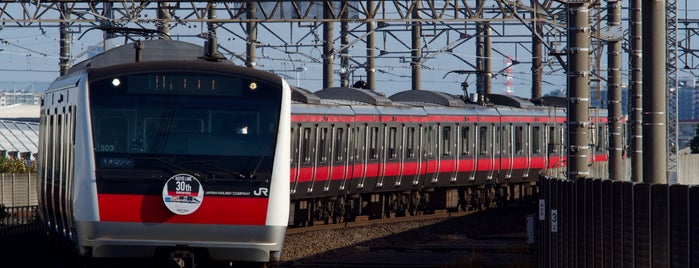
[339, 150]
[519, 139]
[359, 142]
[536, 139]
[496, 138]
[322, 145]
[410, 143]
[506, 143]
[373, 143]
[429, 143]
[294, 146]
[465, 140]
[601, 138]
[446, 141]
[391, 153]
[483, 141]
[112, 134]
[306, 146]
[553, 140]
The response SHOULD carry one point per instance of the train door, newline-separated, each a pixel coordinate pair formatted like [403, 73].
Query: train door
[468, 143]
[400, 154]
[448, 164]
[375, 154]
[411, 163]
[306, 157]
[323, 167]
[360, 154]
[430, 144]
[339, 156]
[506, 155]
[537, 146]
[295, 156]
[494, 150]
[527, 151]
[485, 151]
[368, 148]
[390, 165]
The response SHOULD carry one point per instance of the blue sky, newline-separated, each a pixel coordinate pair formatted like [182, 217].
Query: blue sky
[31, 54]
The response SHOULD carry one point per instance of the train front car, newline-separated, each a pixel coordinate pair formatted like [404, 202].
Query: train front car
[172, 159]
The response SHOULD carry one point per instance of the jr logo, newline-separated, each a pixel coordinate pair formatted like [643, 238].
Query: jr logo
[261, 191]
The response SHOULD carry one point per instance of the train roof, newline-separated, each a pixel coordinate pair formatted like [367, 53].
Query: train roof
[427, 97]
[349, 95]
[153, 50]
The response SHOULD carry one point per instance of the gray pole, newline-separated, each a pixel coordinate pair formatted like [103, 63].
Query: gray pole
[64, 62]
[251, 28]
[370, 48]
[488, 60]
[108, 14]
[537, 57]
[416, 52]
[480, 58]
[616, 145]
[212, 42]
[164, 16]
[328, 44]
[635, 92]
[655, 100]
[344, 41]
[578, 80]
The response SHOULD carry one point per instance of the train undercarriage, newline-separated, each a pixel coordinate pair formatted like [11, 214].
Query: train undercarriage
[380, 205]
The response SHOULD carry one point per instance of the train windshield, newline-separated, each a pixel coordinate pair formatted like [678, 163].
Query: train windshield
[185, 121]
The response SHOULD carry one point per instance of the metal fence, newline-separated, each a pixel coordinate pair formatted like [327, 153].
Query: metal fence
[18, 197]
[603, 223]
[18, 189]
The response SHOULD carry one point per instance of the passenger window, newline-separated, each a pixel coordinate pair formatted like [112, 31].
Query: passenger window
[429, 143]
[446, 141]
[601, 138]
[294, 146]
[519, 139]
[392, 132]
[483, 137]
[536, 145]
[465, 140]
[340, 149]
[506, 143]
[410, 143]
[553, 140]
[322, 145]
[373, 143]
[306, 146]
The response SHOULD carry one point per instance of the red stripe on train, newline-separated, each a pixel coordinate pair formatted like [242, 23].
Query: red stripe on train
[322, 173]
[213, 210]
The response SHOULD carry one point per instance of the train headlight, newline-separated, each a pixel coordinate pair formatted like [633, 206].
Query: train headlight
[116, 82]
[253, 86]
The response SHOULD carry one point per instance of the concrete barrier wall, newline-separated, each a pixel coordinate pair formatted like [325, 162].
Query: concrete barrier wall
[604, 223]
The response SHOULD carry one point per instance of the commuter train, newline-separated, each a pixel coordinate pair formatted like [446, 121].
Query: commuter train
[153, 150]
[357, 153]
[161, 151]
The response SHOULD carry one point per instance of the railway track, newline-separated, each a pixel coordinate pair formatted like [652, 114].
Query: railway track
[450, 236]
[493, 237]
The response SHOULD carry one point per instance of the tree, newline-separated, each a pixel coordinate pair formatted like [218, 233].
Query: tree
[694, 143]
[13, 165]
